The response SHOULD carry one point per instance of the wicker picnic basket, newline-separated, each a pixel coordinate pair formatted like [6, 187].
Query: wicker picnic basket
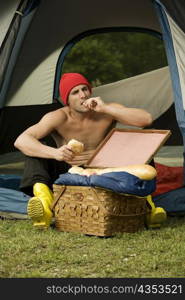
[96, 211]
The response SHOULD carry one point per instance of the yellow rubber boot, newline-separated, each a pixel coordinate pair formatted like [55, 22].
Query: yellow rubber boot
[39, 206]
[156, 216]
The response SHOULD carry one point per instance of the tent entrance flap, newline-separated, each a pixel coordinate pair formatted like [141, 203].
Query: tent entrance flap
[11, 43]
[174, 39]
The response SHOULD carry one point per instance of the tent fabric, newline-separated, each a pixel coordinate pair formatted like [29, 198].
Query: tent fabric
[173, 38]
[118, 182]
[11, 45]
[15, 119]
[42, 78]
[51, 19]
[8, 9]
[168, 121]
[178, 37]
[171, 156]
[172, 61]
[9, 40]
[176, 9]
[40, 70]
[151, 91]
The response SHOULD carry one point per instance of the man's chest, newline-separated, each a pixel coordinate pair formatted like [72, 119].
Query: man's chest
[90, 133]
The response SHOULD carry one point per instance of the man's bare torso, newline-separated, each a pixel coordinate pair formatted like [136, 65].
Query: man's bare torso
[90, 130]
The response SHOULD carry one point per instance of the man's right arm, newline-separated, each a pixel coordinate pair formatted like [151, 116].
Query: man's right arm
[29, 141]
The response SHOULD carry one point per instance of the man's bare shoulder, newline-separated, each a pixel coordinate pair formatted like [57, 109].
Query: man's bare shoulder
[56, 116]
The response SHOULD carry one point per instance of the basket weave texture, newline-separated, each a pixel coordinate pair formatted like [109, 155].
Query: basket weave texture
[97, 211]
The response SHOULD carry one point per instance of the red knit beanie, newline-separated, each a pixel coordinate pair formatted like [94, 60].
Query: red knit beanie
[68, 81]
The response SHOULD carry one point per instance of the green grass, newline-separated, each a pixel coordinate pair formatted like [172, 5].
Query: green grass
[29, 253]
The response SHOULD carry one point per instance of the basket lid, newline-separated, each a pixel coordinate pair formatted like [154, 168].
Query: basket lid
[122, 147]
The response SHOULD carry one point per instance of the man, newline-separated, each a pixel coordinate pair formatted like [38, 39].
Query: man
[84, 118]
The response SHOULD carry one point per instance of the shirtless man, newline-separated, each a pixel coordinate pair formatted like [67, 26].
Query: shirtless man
[84, 118]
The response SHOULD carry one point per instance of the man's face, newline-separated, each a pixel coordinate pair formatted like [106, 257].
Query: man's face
[77, 96]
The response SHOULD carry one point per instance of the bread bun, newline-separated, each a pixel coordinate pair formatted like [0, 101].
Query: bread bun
[76, 146]
[89, 172]
[143, 171]
[82, 171]
[76, 170]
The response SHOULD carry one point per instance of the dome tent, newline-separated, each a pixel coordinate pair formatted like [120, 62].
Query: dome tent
[36, 35]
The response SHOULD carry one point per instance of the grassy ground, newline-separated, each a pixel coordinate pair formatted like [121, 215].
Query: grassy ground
[26, 252]
[29, 253]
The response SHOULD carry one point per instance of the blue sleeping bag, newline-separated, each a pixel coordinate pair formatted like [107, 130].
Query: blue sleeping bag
[119, 182]
[172, 201]
[13, 201]
[10, 181]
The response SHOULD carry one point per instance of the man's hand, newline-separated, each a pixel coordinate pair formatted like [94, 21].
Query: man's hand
[81, 159]
[64, 153]
[95, 104]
